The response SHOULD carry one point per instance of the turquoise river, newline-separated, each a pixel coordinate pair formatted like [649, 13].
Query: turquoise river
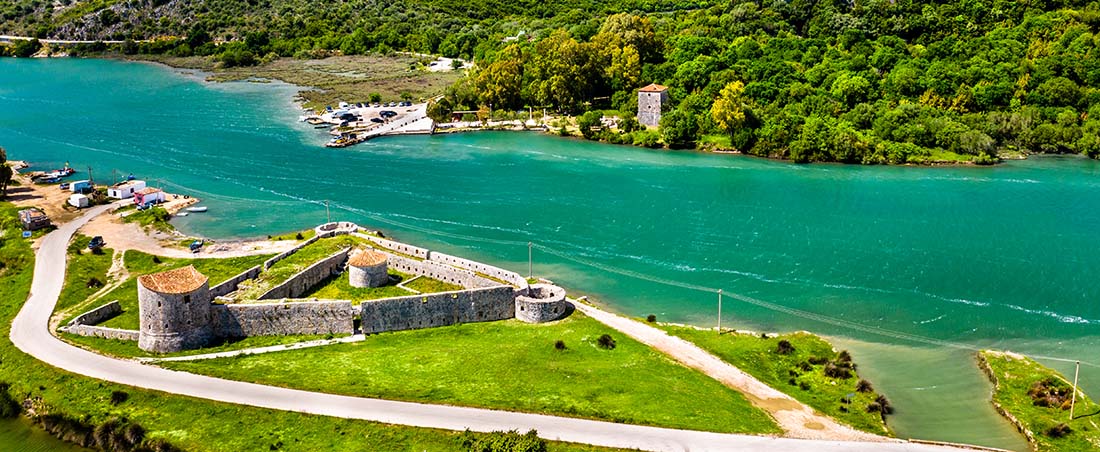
[910, 268]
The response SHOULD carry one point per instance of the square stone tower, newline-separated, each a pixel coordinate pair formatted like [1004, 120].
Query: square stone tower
[650, 100]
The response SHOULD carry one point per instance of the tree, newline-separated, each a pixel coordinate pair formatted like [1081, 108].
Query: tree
[26, 49]
[375, 97]
[679, 129]
[589, 122]
[729, 109]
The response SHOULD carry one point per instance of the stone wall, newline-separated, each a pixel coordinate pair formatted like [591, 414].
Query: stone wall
[98, 315]
[231, 284]
[442, 272]
[448, 308]
[104, 332]
[299, 284]
[544, 303]
[396, 246]
[280, 319]
[268, 263]
[509, 277]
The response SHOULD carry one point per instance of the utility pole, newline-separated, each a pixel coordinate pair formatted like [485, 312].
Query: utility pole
[719, 311]
[1073, 400]
[530, 262]
[328, 215]
[91, 180]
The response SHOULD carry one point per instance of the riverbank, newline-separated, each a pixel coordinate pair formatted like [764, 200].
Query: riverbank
[832, 240]
[188, 423]
[1041, 403]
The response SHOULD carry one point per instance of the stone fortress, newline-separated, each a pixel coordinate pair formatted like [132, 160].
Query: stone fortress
[180, 311]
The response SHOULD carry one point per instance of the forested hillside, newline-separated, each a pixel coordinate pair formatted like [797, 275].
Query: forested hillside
[881, 81]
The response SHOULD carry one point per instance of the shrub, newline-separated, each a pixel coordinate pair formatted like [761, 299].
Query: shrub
[503, 442]
[651, 318]
[817, 361]
[844, 357]
[805, 366]
[864, 386]
[606, 342]
[804, 386]
[874, 407]
[156, 260]
[298, 236]
[559, 345]
[8, 406]
[1049, 392]
[834, 371]
[884, 404]
[117, 397]
[784, 347]
[1058, 431]
[792, 382]
[94, 283]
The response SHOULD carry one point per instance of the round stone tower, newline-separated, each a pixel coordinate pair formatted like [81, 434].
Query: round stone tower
[174, 310]
[542, 303]
[368, 268]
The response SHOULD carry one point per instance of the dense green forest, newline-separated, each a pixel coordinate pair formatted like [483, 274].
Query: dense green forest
[853, 81]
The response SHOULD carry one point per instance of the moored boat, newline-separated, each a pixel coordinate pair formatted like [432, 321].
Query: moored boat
[196, 209]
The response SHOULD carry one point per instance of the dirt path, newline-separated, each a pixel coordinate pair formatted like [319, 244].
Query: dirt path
[794, 417]
[130, 236]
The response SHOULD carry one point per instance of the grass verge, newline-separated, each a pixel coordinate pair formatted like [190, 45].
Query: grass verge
[192, 424]
[1036, 399]
[139, 263]
[510, 365]
[86, 272]
[800, 372]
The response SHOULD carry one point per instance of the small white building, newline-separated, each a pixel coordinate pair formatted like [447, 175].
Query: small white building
[79, 201]
[149, 196]
[125, 190]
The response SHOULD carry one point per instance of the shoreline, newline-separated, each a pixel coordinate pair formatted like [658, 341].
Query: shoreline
[299, 103]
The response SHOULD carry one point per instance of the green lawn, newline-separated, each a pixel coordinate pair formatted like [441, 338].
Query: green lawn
[758, 357]
[295, 263]
[192, 424]
[306, 234]
[85, 274]
[338, 288]
[425, 284]
[1016, 379]
[139, 263]
[510, 365]
[155, 217]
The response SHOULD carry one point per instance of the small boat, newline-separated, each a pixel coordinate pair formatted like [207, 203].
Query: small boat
[197, 209]
[181, 214]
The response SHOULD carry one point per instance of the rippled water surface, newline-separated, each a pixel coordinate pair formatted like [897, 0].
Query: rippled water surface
[911, 268]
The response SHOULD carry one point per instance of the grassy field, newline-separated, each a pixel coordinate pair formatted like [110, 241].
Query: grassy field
[86, 273]
[340, 78]
[510, 365]
[192, 424]
[339, 288]
[155, 218]
[293, 264]
[139, 263]
[1038, 397]
[795, 373]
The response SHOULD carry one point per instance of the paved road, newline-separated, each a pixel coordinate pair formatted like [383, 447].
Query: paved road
[30, 333]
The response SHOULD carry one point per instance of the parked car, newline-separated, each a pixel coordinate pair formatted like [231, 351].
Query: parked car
[96, 243]
[378, 120]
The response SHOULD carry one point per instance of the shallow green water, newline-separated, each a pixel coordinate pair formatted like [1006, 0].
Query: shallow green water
[19, 435]
[911, 268]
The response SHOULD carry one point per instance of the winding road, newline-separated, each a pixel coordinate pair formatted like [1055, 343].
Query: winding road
[30, 333]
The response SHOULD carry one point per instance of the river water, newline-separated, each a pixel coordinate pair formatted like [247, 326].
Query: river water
[910, 268]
